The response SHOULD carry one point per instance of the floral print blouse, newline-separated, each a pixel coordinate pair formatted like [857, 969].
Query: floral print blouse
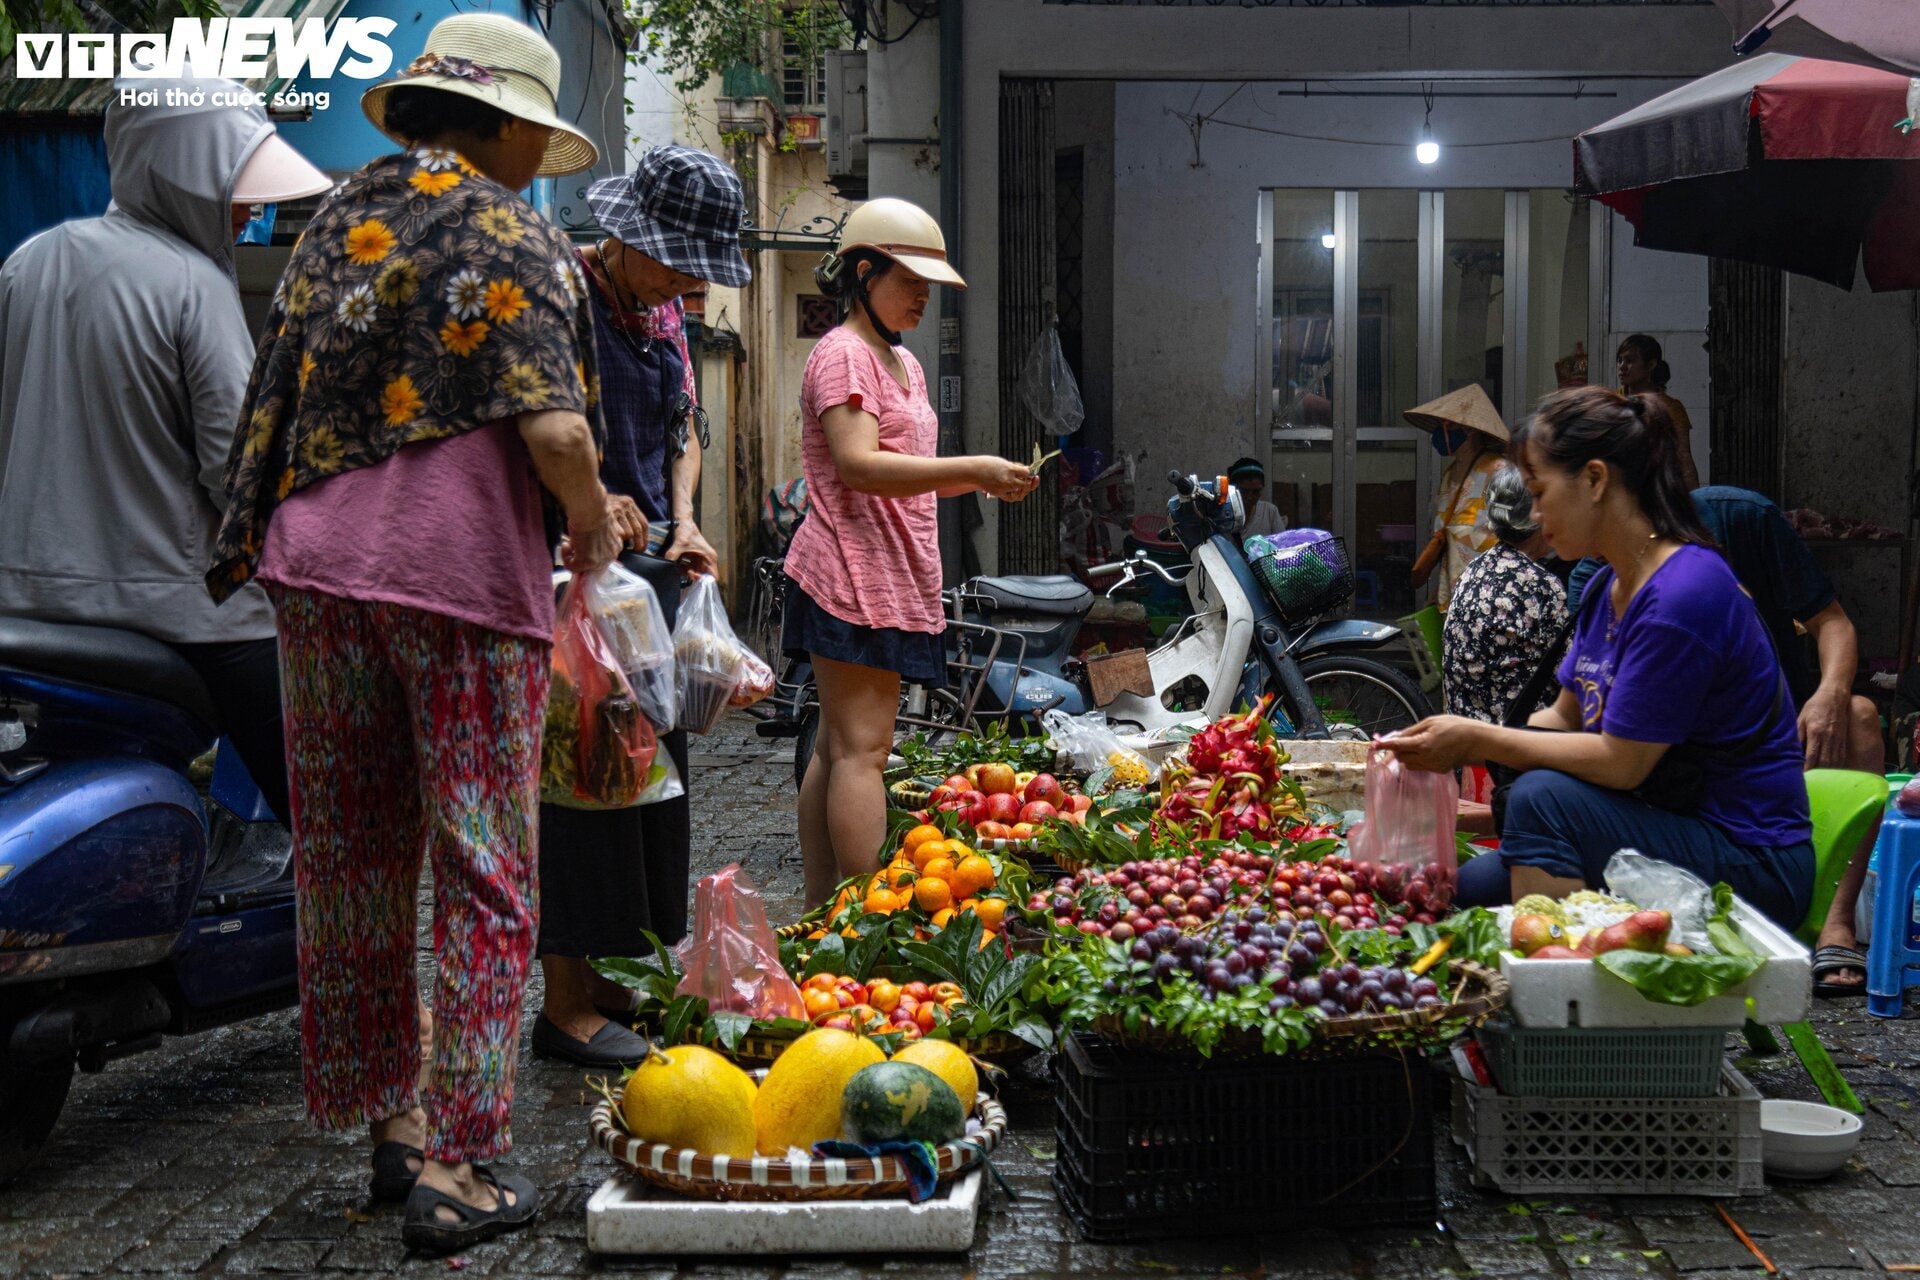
[423, 301]
[1508, 617]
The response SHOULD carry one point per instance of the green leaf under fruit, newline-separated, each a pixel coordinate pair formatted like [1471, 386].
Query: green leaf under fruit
[1679, 980]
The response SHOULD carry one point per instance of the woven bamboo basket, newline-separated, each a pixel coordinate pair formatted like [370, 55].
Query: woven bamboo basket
[1000, 1049]
[909, 794]
[1481, 992]
[769, 1178]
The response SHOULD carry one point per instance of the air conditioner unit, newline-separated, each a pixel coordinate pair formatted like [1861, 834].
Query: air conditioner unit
[846, 113]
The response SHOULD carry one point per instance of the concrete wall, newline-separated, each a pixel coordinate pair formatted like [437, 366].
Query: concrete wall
[1663, 295]
[1851, 411]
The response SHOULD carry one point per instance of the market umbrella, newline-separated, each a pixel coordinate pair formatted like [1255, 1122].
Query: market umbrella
[1871, 33]
[1787, 162]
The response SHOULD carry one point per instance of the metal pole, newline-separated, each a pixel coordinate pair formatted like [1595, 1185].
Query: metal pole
[953, 557]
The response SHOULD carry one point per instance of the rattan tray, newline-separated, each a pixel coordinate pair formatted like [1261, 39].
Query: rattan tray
[1001, 1048]
[772, 1178]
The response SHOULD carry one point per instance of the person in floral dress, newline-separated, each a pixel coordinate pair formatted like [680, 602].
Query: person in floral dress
[422, 400]
[1509, 614]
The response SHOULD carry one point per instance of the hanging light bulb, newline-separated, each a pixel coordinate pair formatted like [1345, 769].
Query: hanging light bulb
[1427, 151]
[1328, 240]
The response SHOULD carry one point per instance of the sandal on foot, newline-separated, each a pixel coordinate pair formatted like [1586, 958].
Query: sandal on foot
[424, 1230]
[393, 1177]
[1830, 960]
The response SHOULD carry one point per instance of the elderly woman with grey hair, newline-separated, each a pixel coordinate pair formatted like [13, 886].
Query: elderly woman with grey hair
[1508, 617]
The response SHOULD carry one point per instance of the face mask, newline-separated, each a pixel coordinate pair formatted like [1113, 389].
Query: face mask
[1447, 440]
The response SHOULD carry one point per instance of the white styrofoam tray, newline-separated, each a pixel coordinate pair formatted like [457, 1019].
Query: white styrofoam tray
[1579, 993]
[627, 1216]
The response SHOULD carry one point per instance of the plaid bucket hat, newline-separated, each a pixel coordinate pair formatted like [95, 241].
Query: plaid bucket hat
[681, 207]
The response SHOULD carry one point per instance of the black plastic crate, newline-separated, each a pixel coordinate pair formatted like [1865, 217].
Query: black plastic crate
[1146, 1142]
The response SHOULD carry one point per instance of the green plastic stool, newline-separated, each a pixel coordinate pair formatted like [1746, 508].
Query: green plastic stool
[1846, 806]
[1425, 624]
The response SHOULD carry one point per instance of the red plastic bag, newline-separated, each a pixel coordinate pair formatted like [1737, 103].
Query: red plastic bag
[1406, 839]
[731, 958]
[597, 739]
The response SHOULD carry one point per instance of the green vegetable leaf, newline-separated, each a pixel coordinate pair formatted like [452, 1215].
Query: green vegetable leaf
[730, 1029]
[829, 956]
[1679, 980]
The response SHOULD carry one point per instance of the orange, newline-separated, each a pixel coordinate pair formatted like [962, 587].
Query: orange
[818, 1003]
[933, 893]
[899, 873]
[927, 852]
[925, 833]
[972, 875]
[986, 936]
[941, 917]
[881, 901]
[938, 869]
[816, 935]
[991, 911]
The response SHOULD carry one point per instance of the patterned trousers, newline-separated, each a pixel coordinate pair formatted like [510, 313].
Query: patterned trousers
[408, 734]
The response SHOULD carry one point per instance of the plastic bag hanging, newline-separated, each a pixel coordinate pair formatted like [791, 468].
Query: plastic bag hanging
[599, 751]
[1406, 839]
[628, 610]
[715, 670]
[1047, 385]
[731, 958]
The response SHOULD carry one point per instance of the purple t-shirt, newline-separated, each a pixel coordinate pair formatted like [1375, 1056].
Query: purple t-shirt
[1690, 662]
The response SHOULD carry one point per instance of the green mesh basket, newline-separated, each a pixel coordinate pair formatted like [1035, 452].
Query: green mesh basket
[1304, 578]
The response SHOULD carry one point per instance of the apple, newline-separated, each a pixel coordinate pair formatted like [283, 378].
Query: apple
[1045, 787]
[1024, 831]
[959, 782]
[993, 830]
[1037, 812]
[996, 779]
[973, 808]
[1003, 806]
[943, 797]
[1080, 803]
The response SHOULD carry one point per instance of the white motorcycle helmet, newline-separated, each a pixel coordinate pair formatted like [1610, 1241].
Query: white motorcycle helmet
[902, 231]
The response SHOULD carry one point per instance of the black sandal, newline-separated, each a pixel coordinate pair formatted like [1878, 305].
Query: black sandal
[423, 1230]
[393, 1178]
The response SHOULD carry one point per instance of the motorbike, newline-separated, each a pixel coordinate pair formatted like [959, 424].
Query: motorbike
[142, 895]
[1011, 643]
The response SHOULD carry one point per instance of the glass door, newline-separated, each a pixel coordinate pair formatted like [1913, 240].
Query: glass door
[1297, 263]
[1383, 530]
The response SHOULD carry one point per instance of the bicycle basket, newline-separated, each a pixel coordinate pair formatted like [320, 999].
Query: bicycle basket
[1305, 572]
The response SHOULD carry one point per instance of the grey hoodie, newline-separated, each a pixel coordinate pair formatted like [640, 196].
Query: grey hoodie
[124, 358]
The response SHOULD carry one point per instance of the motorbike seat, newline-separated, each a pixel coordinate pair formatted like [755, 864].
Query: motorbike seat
[1054, 594]
[107, 658]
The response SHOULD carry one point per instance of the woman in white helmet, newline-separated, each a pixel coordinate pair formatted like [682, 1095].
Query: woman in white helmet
[864, 603]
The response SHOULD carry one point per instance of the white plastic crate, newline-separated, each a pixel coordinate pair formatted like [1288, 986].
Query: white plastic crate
[626, 1216]
[1579, 993]
[1614, 1146]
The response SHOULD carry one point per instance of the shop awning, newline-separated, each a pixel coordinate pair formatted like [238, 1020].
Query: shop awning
[1788, 162]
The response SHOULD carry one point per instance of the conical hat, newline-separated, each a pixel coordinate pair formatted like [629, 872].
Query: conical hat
[1468, 407]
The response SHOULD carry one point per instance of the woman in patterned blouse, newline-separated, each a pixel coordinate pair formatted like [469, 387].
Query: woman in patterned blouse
[1508, 613]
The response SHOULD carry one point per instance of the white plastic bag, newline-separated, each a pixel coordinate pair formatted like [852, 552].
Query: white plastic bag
[714, 669]
[629, 613]
[1087, 743]
[1653, 885]
[1047, 387]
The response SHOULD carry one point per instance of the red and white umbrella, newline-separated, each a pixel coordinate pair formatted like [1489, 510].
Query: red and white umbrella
[1869, 33]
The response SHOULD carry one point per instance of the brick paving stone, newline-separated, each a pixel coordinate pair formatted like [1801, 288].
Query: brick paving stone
[171, 1254]
[1704, 1255]
[1502, 1258]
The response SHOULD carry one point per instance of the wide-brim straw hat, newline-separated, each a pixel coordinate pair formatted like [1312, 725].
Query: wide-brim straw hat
[505, 64]
[1468, 407]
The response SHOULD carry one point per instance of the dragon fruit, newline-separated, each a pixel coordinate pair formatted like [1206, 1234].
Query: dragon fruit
[1229, 783]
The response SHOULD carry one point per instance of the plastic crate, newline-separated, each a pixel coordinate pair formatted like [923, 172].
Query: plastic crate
[1595, 1062]
[1305, 572]
[1147, 1144]
[1614, 1146]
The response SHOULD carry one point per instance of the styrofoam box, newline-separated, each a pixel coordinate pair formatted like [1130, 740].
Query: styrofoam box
[1579, 993]
[627, 1216]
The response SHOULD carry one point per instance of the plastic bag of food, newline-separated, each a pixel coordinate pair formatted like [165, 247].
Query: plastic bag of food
[599, 751]
[1406, 839]
[630, 616]
[1653, 885]
[731, 958]
[1088, 743]
[712, 666]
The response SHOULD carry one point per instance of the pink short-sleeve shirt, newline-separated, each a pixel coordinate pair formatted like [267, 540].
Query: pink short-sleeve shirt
[864, 559]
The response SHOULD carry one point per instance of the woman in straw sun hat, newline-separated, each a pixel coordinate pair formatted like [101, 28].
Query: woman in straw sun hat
[429, 375]
[1466, 429]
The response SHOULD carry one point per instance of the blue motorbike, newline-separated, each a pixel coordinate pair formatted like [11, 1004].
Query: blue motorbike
[141, 895]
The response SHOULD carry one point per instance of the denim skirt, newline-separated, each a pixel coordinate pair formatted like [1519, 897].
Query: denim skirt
[807, 630]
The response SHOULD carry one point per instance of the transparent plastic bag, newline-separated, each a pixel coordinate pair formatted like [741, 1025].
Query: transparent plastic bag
[598, 751]
[1653, 885]
[1047, 387]
[710, 662]
[1087, 743]
[1406, 839]
[635, 626]
[731, 958]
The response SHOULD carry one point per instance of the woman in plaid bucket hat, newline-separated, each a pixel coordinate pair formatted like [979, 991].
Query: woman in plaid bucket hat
[608, 876]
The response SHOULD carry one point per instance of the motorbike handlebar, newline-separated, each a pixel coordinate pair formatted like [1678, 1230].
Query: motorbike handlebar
[1182, 484]
[1135, 563]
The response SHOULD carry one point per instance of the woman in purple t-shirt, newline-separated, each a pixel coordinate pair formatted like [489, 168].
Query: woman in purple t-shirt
[1674, 730]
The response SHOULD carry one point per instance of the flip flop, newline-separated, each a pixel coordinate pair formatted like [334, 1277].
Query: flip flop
[1839, 960]
[423, 1230]
[392, 1179]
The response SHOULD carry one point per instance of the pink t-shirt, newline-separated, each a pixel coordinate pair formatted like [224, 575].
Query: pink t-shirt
[451, 526]
[867, 560]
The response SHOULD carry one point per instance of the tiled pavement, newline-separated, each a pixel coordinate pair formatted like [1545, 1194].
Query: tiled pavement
[193, 1160]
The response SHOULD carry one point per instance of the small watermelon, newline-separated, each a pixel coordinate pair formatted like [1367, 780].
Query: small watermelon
[890, 1101]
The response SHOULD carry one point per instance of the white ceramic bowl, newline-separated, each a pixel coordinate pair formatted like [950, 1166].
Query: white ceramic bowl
[1806, 1139]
